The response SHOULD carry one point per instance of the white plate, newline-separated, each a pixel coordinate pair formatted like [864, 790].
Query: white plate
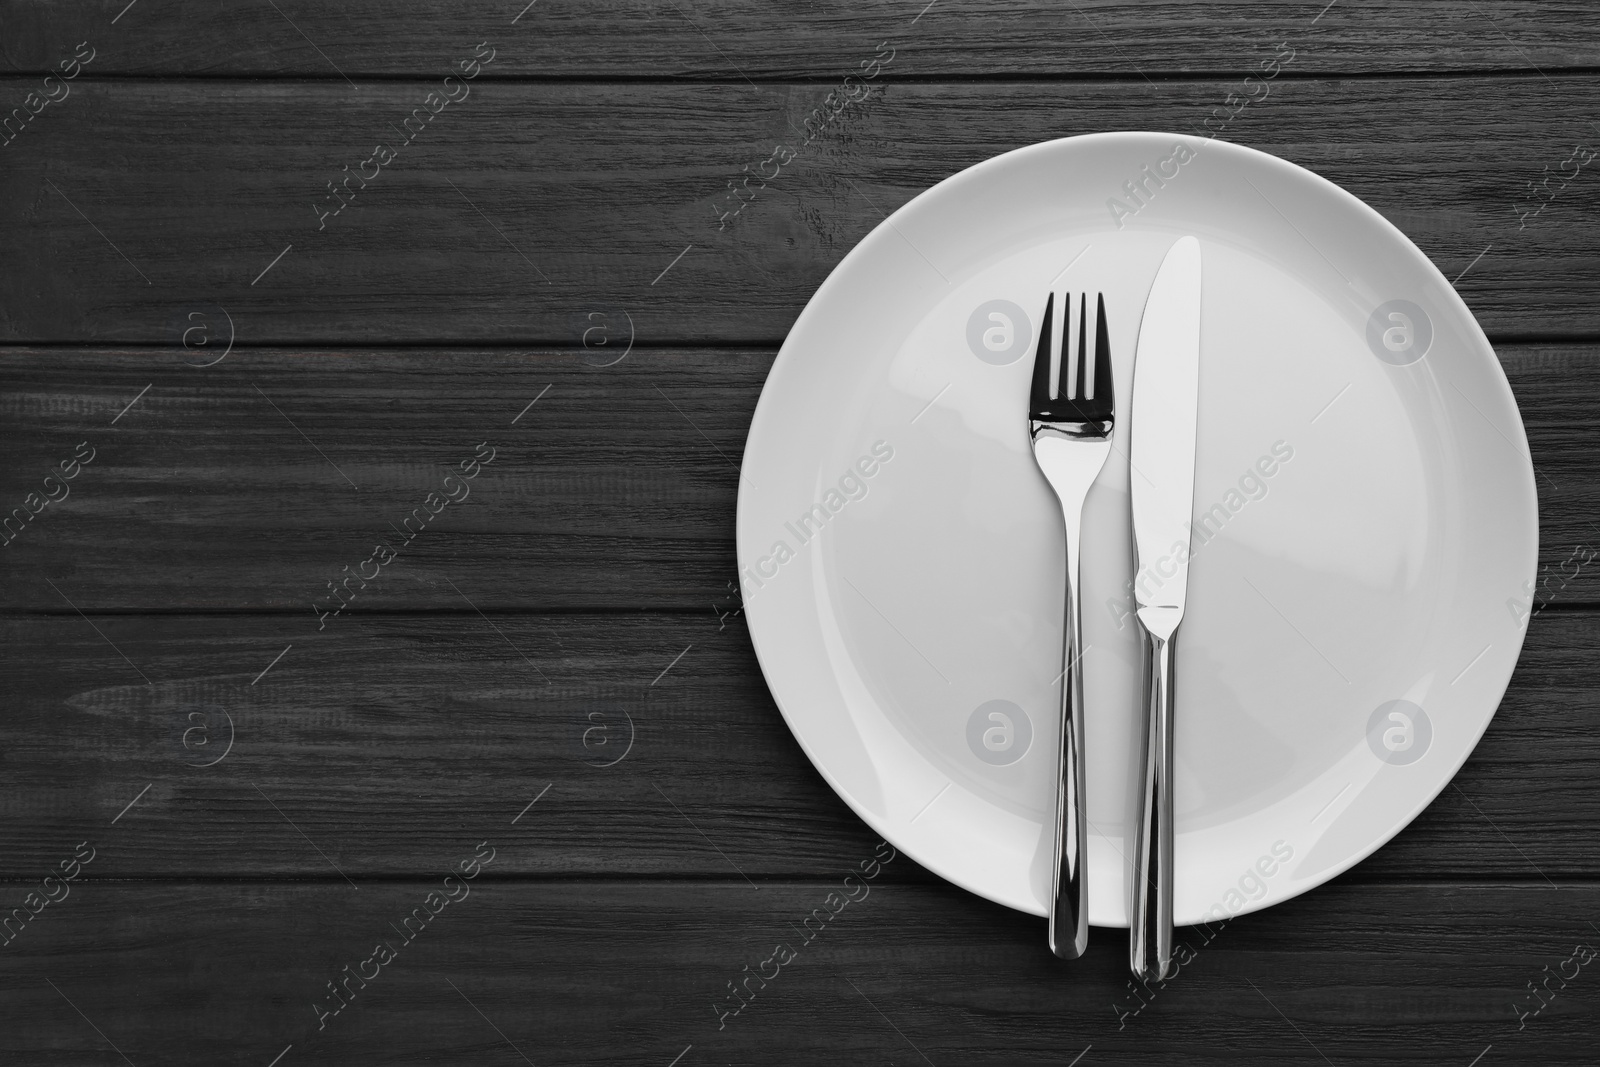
[1386, 557]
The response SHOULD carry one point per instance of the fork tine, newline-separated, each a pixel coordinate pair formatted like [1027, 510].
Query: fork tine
[1063, 301]
[1039, 393]
[1091, 349]
[1067, 373]
[1072, 377]
[1101, 383]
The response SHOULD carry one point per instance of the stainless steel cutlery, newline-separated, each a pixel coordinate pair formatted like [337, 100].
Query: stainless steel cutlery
[1071, 414]
[1071, 418]
[1166, 377]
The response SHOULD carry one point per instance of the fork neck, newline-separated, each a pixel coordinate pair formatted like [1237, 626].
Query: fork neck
[1072, 431]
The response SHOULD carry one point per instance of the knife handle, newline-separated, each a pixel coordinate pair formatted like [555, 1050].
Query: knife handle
[1069, 890]
[1151, 880]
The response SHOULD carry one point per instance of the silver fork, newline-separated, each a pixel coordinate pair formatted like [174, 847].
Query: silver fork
[1071, 410]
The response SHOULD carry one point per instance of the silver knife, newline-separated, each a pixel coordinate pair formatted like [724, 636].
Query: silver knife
[1166, 378]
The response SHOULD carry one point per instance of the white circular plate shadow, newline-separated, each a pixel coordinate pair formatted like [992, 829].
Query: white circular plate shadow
[1366, 499]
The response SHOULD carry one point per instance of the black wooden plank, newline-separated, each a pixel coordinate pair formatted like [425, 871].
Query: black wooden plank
[254, 483]
[369, 746]
[636, 974]
[730, 40]
[223, 488]
[132, 201]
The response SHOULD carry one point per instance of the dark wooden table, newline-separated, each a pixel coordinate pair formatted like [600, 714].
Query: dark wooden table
[235, 394]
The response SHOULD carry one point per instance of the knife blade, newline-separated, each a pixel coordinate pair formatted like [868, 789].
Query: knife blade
[1164, 411]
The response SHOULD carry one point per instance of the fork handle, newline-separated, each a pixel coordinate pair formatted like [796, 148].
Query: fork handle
[1069, 891]
[1151, 884]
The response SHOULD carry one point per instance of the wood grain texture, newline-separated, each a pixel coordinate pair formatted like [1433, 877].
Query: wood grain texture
[226, 488]
[372, 744]
[600, 972]
[732, 40]
[267, 796]
[526, 207]
[223, 488]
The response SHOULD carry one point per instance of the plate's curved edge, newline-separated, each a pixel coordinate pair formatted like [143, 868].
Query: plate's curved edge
[1508, 398]
[876, 235]
[974, 172]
